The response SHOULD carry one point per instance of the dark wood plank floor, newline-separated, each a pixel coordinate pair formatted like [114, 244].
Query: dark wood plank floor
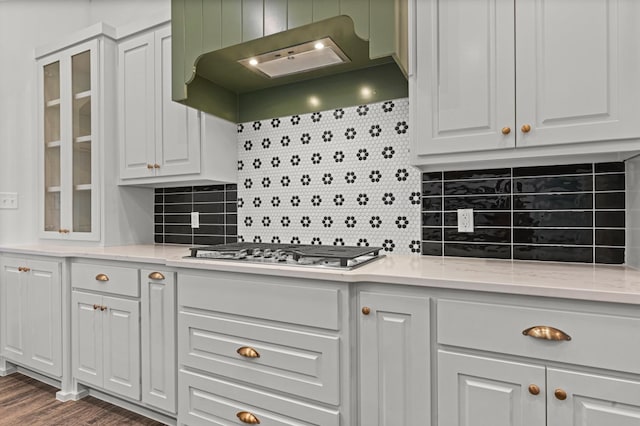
[27, 402]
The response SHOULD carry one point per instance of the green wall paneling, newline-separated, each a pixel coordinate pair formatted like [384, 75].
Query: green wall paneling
[211, 34]
[275, 16]
[358, 10]
[178, 88]
[252, 19]
[299, 13]
[323, 9]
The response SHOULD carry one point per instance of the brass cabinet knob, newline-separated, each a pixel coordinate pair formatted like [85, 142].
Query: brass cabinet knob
[25, 269]
[534, 389]
[156, 166]
[248, 352]
[526, 128]
[247, 417]
[96, 306]
[156, 276]
[150, 166]
[20, 269]
[506, 130]
[546, 333]
[366, 310]
[102, 277]
[103, 308]
[560, 394]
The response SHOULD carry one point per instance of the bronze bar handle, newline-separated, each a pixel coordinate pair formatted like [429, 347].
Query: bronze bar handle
[506, 130]
[366, 310]
[103, 308]
[534, 389]
[96, 306]
[526, 128]
[247, 417]
[560, 394]
[102, 277]
[156, 276]
[546, 333]
[248, 352]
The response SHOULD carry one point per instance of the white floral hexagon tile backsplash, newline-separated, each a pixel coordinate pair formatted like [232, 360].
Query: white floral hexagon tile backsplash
[337, 177]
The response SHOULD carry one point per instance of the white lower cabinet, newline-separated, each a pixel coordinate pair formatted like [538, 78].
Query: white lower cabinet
[394, 359]
[31, 313]
[106, 342]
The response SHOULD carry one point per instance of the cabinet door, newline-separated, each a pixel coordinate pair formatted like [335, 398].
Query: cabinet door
[177, 126]
[158, 340]
[592, 400]
[136, 106]
[479, 391]
[463, 89]
[14, 306]
[86, 338]
[394, 360]
[121, 339]
[44, 317]
[577, 65]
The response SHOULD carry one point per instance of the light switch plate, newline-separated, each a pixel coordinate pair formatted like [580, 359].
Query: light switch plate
[195, 219]
[8, 200]
[465, 220]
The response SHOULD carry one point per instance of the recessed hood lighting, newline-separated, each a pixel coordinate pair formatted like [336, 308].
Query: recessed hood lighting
[296, 59]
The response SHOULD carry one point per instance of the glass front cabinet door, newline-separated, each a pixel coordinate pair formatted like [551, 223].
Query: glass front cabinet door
[68, 129]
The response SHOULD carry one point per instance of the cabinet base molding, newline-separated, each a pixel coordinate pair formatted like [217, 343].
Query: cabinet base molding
[138, 409]
[64, 396]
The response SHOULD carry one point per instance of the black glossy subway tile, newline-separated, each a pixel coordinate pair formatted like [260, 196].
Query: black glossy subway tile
[431, 249]
[481, 218]
[614, 256]
[212, 219]
[431, 234]
[208, 188]
[178, 239]
[613, 182]
[432, 204]
[208, 197]
[158, 198]
[478, 202]
[569, 169]
[231, 196]
[553, 253]
[553, 201]
[494, 251]
[178, 198]
[230, 239]
[158, 218]
[231, 218]
[210, 230]
[158, 229]
[177, 218]
[231, 207]
[208, 240]
[479, 235]
[610, 219]
[177, 229]
[230, 187]
[209, 207]
[431, 219]
[610, 200]
[178, 189]
[477, 174]
[571, 236]
[158, 208]
[578, 219]
[431, 176]
[610, 237]
[178, 208]
[159, 191]
[579, 183]
[431, 188]
[617, 166]
[485, 186]
[231, 230]
[158, 238]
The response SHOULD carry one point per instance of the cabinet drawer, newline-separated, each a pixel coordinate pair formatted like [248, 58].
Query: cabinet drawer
[122, 281]
[204, 400]
[300, 363]
[597, 340]
[265, 299]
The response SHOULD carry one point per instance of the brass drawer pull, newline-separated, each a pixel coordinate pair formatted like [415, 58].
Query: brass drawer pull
[248, 352]
[150, 166]
[20, 269]
[156, 276]
[560, 394]
[247, 417]
[156, 166]
[96, 306]
[25, 269]
[102, 277]
[546, 333]
[103, 308]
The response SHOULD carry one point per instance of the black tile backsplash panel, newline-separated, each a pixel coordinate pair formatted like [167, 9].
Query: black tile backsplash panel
[569, 213]
[217, 205]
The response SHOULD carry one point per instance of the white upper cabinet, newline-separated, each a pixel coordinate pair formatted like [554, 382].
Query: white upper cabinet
[158, 137]
[547, 77]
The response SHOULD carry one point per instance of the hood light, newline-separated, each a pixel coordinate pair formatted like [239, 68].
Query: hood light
[297, 59]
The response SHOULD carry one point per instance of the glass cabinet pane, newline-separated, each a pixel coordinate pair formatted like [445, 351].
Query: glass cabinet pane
[51, 86]
[81, 141]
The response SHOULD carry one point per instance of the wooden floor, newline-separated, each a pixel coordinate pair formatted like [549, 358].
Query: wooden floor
[27, 402]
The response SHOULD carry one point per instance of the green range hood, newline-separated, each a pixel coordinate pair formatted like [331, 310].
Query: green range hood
[322, 64]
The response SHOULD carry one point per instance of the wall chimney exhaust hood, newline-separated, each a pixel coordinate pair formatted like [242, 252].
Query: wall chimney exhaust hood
[318, 66]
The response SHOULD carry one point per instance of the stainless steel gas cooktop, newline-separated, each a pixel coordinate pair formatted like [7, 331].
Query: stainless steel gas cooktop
[336, 257]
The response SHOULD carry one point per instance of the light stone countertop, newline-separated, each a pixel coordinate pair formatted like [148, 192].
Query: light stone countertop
[551, 279]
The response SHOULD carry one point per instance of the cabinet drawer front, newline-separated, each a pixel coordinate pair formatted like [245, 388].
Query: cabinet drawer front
[301, 363]
[597, 340]
[122, 281]
[207, 401]
[265, 299]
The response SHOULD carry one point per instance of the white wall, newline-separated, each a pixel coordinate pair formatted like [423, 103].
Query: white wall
[633, 212]
[25, 25]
